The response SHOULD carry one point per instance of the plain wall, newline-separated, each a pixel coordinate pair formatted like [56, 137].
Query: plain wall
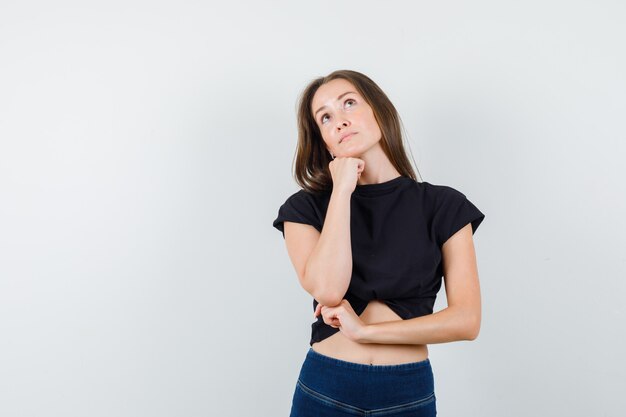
[145, 148]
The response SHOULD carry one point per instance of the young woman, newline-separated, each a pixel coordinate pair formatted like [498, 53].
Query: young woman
[371, 244]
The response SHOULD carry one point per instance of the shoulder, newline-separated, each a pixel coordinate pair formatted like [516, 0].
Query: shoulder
[303, 197]
[451, 211]
[440, 189]
[439, 194]
[304, 204]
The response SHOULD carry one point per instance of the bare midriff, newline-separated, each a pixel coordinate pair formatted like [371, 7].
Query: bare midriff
[340, 347]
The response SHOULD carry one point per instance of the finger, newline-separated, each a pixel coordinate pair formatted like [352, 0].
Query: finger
[318, 309]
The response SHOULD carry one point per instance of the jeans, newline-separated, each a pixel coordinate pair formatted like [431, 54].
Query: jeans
[329, 387]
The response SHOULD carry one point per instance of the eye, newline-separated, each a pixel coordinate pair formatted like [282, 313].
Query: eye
[325, 114]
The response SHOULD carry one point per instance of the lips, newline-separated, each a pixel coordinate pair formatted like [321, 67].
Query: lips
[347, 135]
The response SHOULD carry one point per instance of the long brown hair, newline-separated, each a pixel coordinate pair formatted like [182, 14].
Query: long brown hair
[312, 157]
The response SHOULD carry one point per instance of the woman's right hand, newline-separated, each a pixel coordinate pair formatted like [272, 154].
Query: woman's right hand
[345, 172]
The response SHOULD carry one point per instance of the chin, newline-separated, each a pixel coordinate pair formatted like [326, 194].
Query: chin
[355, 153]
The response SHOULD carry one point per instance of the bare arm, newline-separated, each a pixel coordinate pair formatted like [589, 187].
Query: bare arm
[330, 264]
[324, 260]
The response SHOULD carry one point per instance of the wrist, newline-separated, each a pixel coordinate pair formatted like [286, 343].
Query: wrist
[365, 334]
[341, 193]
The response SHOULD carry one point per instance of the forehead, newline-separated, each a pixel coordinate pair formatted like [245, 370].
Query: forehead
[328, 93]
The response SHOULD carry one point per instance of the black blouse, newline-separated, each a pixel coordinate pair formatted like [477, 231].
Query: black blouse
[397, 229]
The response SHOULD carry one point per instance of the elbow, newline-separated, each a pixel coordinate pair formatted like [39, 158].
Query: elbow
[472, 335]
[325, 296]
[466, 324]
[328, 298]
[472, 329]
[333, 295]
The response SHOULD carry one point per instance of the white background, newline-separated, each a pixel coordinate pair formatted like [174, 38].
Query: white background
[145, 147]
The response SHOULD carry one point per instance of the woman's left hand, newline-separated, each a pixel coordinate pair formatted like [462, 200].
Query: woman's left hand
[343, 317]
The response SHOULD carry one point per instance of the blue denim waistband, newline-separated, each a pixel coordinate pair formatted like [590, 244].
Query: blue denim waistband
[412, 366]
[364, 386]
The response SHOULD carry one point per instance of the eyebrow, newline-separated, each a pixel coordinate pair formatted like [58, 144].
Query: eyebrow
[338, 98]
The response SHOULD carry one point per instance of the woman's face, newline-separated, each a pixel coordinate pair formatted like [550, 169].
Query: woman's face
[338, 109]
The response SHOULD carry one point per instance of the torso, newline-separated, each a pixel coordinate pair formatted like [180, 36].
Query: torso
[340, 347]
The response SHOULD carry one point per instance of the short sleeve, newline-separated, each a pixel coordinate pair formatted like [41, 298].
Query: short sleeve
[452, 212]
[299, 208]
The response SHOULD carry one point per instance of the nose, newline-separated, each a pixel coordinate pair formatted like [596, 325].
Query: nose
[342, 124]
